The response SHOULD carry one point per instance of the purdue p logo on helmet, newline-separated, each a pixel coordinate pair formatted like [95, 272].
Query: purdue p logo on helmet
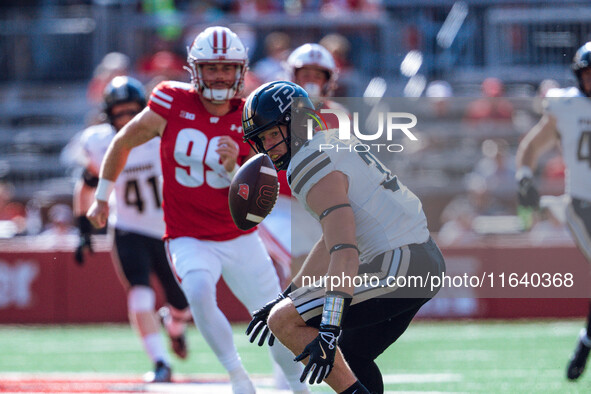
[271, 105]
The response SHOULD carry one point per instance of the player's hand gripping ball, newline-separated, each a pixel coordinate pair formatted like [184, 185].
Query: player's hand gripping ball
[253, 192]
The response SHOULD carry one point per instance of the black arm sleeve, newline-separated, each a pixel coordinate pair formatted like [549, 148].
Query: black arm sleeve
[89, 179]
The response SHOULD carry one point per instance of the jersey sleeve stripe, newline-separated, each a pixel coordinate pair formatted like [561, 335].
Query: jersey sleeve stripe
[163, 95]
[313, 171]
[303, 164]
[161, 102]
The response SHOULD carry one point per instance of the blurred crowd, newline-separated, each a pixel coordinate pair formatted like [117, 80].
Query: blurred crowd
[248, 8]
[166, 61]
[486, 203]
[47, 215]
[482, 163]
[487, 187]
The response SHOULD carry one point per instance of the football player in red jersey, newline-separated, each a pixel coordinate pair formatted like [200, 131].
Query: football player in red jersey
[201, 148]
[312, 67]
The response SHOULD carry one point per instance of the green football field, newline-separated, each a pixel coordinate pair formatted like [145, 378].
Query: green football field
[461, 356]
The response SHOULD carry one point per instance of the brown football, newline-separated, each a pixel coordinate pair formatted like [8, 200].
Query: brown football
[253, 192]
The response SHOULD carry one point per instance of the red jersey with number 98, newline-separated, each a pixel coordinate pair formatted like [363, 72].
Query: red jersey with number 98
[195, 183]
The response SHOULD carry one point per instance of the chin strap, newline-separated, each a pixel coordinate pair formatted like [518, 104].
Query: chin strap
[218, 96]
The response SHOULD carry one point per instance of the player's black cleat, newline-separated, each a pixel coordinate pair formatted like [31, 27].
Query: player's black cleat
[177, 343]
[578, 360]
[161, 374]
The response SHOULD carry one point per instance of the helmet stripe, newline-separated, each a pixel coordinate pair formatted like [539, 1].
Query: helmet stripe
[248, 107]
[224, 44]
[215, 41]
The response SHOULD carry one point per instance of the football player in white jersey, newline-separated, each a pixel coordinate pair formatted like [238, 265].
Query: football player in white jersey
[372, 224]
[312, 67]
[566, 121]
[137, 224]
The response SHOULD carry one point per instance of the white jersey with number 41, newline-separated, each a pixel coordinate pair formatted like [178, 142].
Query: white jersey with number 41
[136, 203]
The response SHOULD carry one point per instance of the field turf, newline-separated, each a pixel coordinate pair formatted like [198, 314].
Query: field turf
[461, 356]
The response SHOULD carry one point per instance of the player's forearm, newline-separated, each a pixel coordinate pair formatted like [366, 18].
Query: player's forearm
[537, 141]
[114, 160]
[83, 198]
[340, 241]
[315, 265]
[138, 131]
[344, 265]
[527, 155]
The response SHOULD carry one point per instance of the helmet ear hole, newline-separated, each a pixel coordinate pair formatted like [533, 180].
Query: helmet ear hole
[259, 144]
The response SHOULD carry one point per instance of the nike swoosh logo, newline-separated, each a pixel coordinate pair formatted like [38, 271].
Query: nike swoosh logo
[323, 352]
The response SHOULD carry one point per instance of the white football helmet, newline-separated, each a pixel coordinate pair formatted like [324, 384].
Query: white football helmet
[217, 45]
[314, 55]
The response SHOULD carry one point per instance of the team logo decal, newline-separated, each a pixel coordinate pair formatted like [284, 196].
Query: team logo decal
[283, 97]
[266, 194]
[243, 190]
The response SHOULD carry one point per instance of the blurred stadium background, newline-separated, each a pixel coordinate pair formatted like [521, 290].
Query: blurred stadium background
[56, 54]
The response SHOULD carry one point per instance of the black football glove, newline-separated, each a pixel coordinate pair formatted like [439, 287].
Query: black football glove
[322, 351]
[260, 316]
[85, 241]
[527, 195]
[259, 323]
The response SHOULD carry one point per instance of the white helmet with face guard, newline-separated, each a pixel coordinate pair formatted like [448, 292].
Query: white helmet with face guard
[314, 55]
[217, 45]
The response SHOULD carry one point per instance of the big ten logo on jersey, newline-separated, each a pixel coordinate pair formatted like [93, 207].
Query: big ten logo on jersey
[197, 161]
[15, 283]
[266, 197]
[187, 115]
